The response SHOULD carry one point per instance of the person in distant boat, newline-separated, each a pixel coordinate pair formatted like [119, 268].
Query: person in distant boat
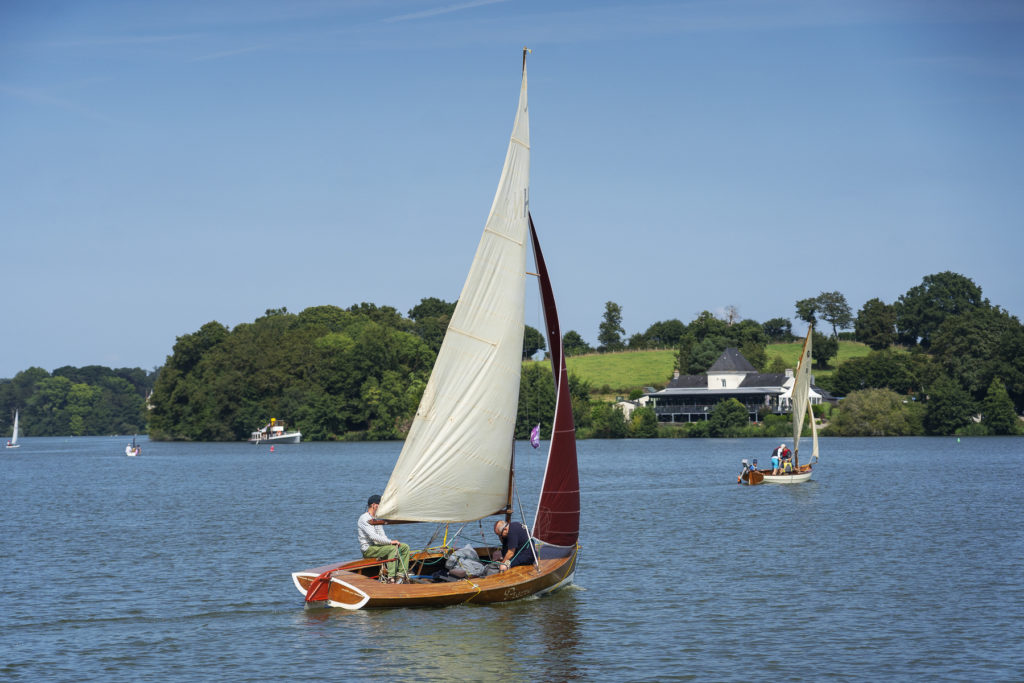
[777, 458]
[753, 465]
[375, 544]
[786, 461]
[744, 473]
[516, 549]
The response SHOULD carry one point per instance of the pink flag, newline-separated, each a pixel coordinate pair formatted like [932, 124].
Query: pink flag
[535, 436]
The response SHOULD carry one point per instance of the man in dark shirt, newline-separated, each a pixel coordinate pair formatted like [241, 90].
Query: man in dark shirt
[516, 549]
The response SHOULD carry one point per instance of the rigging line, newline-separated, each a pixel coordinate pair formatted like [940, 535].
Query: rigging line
[529, 534]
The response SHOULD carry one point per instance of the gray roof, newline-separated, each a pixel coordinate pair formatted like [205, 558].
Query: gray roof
[704, 391]
[687, 381]
[731, 360]
[765, 380]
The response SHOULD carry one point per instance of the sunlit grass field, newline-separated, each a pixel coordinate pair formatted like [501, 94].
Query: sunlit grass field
[627, 370]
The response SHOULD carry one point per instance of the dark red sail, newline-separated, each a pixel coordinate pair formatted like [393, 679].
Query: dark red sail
[558, 513]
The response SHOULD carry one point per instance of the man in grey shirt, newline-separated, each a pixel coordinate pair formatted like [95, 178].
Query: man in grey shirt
[375, 544]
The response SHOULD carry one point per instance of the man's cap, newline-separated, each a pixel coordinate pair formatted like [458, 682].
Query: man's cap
[373, 499]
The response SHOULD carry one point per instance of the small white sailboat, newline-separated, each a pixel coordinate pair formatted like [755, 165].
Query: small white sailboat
[801, 407]
[132, 449]
[13, 443]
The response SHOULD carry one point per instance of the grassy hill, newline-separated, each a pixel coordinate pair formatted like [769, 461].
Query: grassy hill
[618, 373]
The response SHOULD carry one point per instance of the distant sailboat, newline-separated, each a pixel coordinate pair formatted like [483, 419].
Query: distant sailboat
[132, 449]
[13, 443]
[457, 463]
[801, 407]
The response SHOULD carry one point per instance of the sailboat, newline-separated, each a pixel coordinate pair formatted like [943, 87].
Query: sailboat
[457, 464]
[132, 449]
[13, 443]
[801, 401]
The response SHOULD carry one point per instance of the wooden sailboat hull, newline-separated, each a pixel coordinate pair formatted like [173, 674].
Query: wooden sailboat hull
[800, 476]
[753, 478]
[354, 587]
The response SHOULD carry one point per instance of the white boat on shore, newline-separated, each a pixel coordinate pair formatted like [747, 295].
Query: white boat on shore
[275, 432]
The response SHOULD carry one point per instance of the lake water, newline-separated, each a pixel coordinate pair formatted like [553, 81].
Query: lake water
[901, 559]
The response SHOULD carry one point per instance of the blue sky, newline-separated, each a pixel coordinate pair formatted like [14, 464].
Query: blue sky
[167, 164]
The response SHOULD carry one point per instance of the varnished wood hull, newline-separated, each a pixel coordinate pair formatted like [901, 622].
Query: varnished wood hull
[352, 588]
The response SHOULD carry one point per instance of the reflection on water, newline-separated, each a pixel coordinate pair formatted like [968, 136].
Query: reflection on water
[508, 641]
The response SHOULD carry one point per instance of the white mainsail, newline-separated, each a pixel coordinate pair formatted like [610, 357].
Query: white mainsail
[456, 460]
[14, 438]
[801, 397]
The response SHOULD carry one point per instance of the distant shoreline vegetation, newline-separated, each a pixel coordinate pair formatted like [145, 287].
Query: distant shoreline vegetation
[939, 360]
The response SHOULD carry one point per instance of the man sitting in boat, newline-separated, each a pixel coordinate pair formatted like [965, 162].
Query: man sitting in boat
[744, 473]
[375, 544]
[516, 549]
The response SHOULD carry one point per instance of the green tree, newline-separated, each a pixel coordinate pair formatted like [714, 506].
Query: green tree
[533, 341]
[976, 346]
[875, 412]
[922, 309]
[644, 424]
[665, 334]
[835, 311]
[807, 310]
[432, 316]
[756, 354]
[48, 406]
[727, 417]
[949, 407]
[609, 422]
[997, 411]
[878, 370]
[778, 329]
[876, 324]
[574, 345]
[333, 373]
[822, 349]
[777, 365]
[611, 330]
[536, 399]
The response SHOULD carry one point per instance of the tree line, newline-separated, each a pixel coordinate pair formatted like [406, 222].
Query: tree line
[944, 359]
[89, 401]
[942, 355]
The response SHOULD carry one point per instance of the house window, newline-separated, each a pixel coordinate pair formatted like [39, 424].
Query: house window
[723, 383]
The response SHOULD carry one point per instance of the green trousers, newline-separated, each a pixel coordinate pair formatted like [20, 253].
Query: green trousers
[392, 553]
